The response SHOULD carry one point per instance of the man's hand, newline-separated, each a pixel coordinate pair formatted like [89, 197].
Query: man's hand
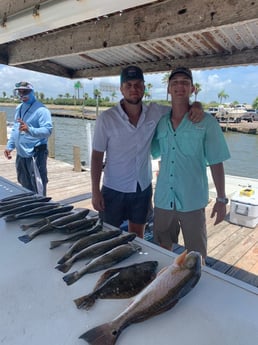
[7, 154]
[196, 113]
[23, 127]
[220, 210]
[98, 201]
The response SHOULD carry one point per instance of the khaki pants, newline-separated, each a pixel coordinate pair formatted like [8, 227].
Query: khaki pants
[193, 225]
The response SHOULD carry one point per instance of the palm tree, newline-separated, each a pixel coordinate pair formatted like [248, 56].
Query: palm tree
[77, 87]
[97, 95]
[165, 80]
[222, 95]
[113, 95]
[197, 89]
[147, 92]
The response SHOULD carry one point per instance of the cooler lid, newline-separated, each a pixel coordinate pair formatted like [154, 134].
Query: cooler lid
[247, 196]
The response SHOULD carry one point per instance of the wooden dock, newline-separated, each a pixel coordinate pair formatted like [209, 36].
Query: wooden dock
[232, 249]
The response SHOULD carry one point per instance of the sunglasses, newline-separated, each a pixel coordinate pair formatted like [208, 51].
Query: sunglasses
[23, 92]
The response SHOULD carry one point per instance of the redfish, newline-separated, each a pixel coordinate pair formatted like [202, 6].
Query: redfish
[171, 284]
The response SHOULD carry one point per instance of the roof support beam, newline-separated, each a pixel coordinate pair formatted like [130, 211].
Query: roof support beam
[240, 58]
[160, 20]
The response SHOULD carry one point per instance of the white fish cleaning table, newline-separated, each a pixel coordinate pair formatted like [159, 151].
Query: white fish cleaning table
[37, 306]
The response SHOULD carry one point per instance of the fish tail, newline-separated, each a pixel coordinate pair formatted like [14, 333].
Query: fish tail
[103, 334]
[71, 277]
[54, 244]
[64, 267]
[85, 302]
[25, 238]
[10, 218]
[63, 259]
[25, 226]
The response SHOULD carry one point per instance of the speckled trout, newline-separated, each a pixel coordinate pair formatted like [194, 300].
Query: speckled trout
[171, 284]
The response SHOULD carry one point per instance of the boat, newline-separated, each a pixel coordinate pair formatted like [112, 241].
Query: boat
[230, 115]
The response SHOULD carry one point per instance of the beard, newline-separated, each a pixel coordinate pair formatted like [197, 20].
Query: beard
[133, 101]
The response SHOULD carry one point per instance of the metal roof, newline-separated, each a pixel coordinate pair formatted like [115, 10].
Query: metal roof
[156, 35]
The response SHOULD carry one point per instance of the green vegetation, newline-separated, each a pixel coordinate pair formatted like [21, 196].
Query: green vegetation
[83, 100]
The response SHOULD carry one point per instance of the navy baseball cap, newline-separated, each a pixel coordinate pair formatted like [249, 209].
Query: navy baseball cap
[183, 70]
[131, 73]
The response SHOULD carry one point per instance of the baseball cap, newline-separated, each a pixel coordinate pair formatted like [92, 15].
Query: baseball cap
[183, 70]
[131, 73]
[23, 85]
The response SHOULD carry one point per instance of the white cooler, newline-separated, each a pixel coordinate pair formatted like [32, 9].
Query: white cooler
[244, 208]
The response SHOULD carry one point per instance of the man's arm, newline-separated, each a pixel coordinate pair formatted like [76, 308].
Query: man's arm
[196, 113]
[96, 170]
[219, 208]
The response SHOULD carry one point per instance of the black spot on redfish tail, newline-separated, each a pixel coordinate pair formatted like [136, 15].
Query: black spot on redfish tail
[101, 335]
[25, 238]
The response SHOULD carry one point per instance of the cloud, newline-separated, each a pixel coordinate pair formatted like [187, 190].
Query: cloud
[240, 83]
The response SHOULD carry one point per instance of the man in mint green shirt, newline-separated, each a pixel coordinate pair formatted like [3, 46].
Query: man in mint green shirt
[186, 149]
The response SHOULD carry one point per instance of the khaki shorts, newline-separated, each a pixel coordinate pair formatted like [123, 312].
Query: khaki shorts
[193, 224]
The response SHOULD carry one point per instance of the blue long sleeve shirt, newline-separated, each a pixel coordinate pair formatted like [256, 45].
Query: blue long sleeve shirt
[39, 122]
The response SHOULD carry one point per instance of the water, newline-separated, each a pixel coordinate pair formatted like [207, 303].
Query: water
[71, 132]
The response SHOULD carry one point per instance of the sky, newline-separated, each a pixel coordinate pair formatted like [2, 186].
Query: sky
[239, 83]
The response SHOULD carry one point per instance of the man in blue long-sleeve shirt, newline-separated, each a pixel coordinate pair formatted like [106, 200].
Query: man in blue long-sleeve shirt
[29, 136]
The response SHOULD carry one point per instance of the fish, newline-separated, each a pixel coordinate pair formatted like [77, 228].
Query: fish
[44, 221]
[30, 200]
[76, 236]
[122, 282]
[76, 225]
[17, 196]
[44, 209]
[87, 241]
[171, 284]
[23, 208]
[104, 261]
[48, 213]
[77, 214]
[95, 250]
[50, 226]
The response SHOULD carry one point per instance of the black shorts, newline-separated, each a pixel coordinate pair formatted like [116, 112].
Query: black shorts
[121, 206]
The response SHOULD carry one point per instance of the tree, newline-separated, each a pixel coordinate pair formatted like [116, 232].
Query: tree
[222, 95]
[77, 87]
[113, 95]
[165, 81]
[147, 92]
[255, 103]
[197, 89]
[97, 95]
[4, 94]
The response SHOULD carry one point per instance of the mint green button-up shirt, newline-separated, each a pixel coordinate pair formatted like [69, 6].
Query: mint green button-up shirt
[185, 153]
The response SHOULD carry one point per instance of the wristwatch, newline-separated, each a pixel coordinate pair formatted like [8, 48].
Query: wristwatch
[223, 200]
